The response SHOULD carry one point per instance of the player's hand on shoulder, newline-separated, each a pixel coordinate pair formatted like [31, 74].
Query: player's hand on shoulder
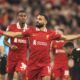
[13, 47]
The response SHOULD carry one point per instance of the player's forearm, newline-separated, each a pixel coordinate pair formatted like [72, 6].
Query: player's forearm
[7, 43]
[71, 37]
[12, 34]
[51, 56]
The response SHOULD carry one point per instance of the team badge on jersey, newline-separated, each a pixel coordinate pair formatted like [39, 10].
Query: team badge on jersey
[33, 34]
[47, 36]
[55, 46]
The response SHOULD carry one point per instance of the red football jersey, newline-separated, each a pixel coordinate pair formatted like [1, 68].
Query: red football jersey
[60, 66]
[40, 46]
[57, 46]
[21, 43]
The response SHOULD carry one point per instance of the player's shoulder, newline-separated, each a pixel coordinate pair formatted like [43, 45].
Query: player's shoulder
[11, 26]
[76, 50]
[32, 28]
[51, 31]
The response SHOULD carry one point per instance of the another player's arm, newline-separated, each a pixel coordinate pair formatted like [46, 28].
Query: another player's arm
[67, 37]
[6, 41]
[9, 44]
[11, 34]
[52, 56]
[70, 37]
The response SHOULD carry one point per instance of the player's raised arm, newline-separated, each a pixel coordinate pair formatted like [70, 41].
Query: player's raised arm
[70, 37]
[11, 34]
[66, 37]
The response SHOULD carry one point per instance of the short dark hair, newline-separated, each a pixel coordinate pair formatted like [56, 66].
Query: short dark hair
[21, 11]
[46, 17]
[69, 44]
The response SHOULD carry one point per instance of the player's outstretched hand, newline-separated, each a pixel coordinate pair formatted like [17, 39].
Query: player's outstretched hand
[1, 32]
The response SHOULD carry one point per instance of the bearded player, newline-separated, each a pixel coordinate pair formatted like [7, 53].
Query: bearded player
[38, 66]
[17, 48]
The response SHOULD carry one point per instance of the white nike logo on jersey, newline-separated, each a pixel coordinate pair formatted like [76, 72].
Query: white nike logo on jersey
[23, 66]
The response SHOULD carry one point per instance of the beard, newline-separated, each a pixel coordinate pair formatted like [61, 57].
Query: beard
[39, 25]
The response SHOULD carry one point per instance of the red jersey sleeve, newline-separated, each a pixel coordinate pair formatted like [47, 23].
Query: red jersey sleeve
[27, 33]
[55, 35]
[11, 27]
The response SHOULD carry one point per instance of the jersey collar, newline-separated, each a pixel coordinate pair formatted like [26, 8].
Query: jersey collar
[18, 26]
[44, 30]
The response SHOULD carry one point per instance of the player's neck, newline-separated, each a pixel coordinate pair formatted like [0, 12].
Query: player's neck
[42, 28]
[22, 25]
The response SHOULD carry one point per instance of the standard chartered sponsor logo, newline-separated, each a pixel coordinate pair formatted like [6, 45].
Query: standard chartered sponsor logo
[35, 42]
[16, 40]
[60, 51]
[41, 43]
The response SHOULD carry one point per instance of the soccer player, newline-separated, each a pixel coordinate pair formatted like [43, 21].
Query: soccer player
[60, 68]
[73, 60]
[38, 66]
[17, 48]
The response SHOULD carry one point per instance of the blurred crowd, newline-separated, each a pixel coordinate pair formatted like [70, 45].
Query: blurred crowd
[64, 14]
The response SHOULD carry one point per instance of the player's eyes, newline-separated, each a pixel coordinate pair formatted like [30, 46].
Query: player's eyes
[22, 15]
[39, 18]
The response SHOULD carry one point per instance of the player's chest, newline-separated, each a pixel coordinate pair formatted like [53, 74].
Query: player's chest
[58, 44]
[19, 40]
[15, 29]
[40, 39]
[42, 36]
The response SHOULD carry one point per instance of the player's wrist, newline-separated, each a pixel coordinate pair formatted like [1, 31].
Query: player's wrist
[11, 46]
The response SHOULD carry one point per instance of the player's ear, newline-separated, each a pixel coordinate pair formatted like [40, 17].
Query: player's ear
[26, 17]
[45, 21]
[17, 18]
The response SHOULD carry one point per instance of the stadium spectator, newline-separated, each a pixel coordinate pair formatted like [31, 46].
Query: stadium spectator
[74, 60]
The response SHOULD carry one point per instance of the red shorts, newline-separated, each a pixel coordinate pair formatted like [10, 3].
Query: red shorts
[60, 66]
[16, 62]
[19, 66]
[37, 74]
